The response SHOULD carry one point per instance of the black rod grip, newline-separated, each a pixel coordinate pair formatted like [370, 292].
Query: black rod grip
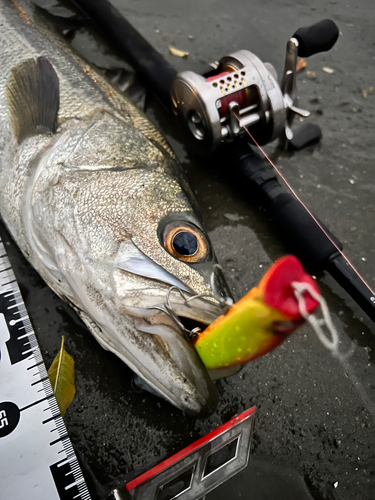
[301, 234]
[151, 66]
[319, 37]
[298, 231]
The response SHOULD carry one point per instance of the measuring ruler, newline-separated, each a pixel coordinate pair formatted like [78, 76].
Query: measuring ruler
[37, 460]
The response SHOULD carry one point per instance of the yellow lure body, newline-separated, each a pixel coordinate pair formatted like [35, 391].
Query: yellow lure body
[242, 334]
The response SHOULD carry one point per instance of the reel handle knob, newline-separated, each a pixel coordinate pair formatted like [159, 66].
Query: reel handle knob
[319, 37]
[306, 135]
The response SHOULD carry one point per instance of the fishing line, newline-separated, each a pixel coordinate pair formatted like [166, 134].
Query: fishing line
[332, 340]
[304, 206]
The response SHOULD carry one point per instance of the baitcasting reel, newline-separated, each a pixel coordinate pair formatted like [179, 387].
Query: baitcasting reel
[241, 86]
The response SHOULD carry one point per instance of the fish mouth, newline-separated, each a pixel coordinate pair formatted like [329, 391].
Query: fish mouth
[168, 313]
[174, 332]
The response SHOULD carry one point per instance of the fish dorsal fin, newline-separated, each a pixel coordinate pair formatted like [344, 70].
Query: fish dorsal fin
[32, 94]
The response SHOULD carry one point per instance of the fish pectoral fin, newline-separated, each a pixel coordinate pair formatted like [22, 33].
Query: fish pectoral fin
[32, 95]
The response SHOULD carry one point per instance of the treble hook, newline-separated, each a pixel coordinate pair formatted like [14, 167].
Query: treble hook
[171, 314]
[224, 302]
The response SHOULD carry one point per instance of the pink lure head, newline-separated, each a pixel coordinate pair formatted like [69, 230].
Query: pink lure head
[277, 291]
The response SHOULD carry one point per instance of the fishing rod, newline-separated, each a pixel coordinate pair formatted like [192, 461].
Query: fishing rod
[234, 104]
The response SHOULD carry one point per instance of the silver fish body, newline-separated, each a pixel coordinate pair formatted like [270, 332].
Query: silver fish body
[94, 204]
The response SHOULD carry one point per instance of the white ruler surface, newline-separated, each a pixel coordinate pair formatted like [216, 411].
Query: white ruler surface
[37, 460]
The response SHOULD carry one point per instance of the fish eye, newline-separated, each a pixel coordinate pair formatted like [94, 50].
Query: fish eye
[185, 242]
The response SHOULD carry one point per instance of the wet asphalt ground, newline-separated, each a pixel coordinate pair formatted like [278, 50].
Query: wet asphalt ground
[314, 432]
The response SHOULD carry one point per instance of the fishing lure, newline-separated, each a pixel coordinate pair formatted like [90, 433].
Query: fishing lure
[260, 321]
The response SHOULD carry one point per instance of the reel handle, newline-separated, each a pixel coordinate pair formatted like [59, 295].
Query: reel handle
[319, 37]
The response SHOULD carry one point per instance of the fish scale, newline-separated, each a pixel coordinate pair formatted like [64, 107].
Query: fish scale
[36, 456]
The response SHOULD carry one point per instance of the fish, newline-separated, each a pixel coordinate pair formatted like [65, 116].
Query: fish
[97, 202]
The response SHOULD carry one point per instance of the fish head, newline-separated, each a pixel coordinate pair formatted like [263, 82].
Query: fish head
[120, 240]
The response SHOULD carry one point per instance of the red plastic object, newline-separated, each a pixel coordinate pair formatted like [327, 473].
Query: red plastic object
[195, 457]
[278, 292]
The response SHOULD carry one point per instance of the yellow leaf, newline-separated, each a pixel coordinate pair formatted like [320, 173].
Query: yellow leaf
[368, 92]
[177, 52]
[62, 378]
[301, 64]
